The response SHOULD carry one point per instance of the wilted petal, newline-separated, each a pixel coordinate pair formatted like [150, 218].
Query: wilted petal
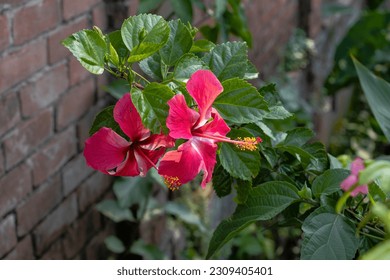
[356, 166]
[105, 150]
[204, 87]
[181, 118]
[129, 120]
[349, 182]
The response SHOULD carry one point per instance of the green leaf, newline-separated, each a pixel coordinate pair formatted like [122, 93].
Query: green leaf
[298, 137]
[186, 66]
[240, 102]
[147, 251]
[228, 60]
[202, 45]
[179, 43]
[329, 182]
[320, 160]
[133, 191]
[242, 188]
[378, 170]
[328, 236]
[264, 202]
[379, 252]
[144, 35]
[105, 118]
[377, 92]
[242, 164]
[151, 66]
[251, 72]
[117, 88]
[185, 214]
[222, 181]
[183, 9]
[152, 105]
[89, 48]
[115, 39]
[111, 209]
[114, 244]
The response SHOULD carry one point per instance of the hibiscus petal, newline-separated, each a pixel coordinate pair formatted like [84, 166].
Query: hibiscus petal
[208, 152]
[349, 182]
[129, 167]
[363, 189]
[105, 150]
[156, 141]
[216, 127]
[183, 164]
[129, 120]
[180, 118]
[204, 87]
[147, 159]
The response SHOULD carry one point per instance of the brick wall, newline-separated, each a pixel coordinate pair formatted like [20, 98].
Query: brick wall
[47, 103]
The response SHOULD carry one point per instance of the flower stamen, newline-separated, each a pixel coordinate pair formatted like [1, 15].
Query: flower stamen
[248, 143]
[172, 182]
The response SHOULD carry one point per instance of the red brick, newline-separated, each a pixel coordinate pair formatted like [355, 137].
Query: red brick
[2, 165]
[99, 16]
[55, 224]
[42, 16]
[56, 50]
[14, 186]
[27, 136]
[4, 32]
[75, 103]
[77, 72]
[74, 173]
[80, 232]
[84, 125]
[73, 8]
[38, 205]
[19, 65]
[9, 112]
[92, 189]
[53, 156]
[22, 251]
[55, 252]
[44, 90]
[8, 236]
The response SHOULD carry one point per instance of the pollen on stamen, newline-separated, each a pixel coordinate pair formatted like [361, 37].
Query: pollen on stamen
[172, 182]
[248, 143]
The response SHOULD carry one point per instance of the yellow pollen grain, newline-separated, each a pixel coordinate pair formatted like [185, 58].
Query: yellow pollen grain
[172, 182]
[247, 144]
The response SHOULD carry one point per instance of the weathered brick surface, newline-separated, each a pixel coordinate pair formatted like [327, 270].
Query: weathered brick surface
[56, 50]
[2, 162]
[92, 189]
[77, 72]
[20, 64]
[26, 137]
[75, 103]
[73, 8]
[44, 15]
[8, 236]
[80, 232]
[4, 32]
[74, 172]
[55, 252]
[14, 186]
[44, 90]
[46, 197]
[53, 156]
[55, 224]
[23, 251]
[9, 112]
[99, 16]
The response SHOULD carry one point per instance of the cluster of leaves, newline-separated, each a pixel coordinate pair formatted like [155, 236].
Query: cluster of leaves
[290, 180]
[228, 16]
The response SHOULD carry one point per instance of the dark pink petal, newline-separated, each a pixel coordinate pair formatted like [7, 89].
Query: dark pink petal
[156, 141]
[208, 152]
[105, 150]
[147, 159]
[129, 167]
[216, 127]
[363, 189]
[204, 87]
[126, 115]
[349, 182]
[180, 118]
[356, 166]
[184, 163]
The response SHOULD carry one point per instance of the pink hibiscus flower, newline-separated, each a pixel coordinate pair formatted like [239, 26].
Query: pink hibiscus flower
[112, 154]
[356, 166]
[202, 128]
